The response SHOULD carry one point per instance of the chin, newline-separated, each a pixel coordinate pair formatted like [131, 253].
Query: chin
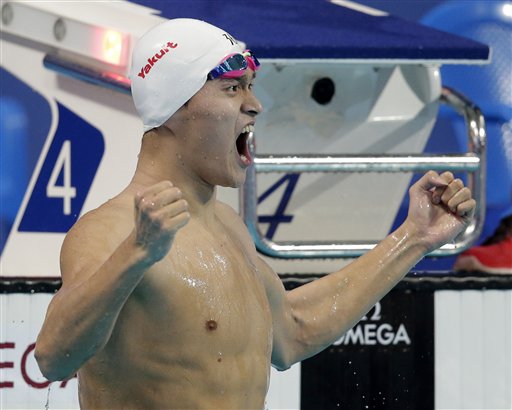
[229, 176]
[236, 184]
[236, 181]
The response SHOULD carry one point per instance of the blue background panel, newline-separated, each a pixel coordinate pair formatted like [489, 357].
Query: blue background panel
[285, 29]
[25, 120]
[45, 213]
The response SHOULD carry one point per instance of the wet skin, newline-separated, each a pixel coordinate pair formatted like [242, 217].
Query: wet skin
[195, 332]
[193, 328]
[165, 302]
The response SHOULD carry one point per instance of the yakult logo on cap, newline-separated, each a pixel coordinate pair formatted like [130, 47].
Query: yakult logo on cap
[144, 71]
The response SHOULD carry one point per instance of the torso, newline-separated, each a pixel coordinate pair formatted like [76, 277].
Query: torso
[195, 333]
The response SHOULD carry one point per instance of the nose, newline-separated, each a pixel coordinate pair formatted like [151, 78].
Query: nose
[252, 105]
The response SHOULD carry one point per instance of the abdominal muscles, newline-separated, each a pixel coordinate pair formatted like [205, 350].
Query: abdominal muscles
[189, 337]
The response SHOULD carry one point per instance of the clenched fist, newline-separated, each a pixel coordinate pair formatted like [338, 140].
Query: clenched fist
[160, 211]
[441, 207]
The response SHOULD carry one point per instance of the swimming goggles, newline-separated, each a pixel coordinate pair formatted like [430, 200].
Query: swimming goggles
[234, 65]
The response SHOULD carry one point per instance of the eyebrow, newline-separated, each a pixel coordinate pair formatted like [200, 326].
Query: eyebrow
[243, 81]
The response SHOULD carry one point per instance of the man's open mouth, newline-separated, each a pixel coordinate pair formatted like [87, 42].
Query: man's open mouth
[242, 144]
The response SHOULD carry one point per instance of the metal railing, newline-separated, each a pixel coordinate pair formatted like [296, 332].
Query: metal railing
[472, 162]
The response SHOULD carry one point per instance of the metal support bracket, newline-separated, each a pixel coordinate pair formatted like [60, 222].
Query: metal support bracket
[472, 162]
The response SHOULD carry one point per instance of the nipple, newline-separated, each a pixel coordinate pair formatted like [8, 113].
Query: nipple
[211, 325]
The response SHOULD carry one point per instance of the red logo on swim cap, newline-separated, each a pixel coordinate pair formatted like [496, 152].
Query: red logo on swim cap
[144, 71]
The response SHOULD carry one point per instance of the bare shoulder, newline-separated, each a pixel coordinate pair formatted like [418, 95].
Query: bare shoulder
[95, 235]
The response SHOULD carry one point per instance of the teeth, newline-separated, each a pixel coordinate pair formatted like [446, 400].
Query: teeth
[248, 128]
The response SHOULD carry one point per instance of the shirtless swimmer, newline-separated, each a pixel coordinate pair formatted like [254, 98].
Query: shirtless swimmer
[165, 302]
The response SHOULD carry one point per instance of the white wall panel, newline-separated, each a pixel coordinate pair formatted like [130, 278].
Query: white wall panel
[473, 349]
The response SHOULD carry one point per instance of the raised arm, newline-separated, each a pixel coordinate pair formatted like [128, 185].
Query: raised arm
[99, 275]
[313, 316]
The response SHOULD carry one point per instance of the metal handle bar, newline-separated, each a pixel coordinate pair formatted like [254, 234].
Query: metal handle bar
[472, 162]
[374, 163]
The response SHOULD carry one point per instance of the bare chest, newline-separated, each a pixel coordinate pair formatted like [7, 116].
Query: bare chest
[208, 292]
[200, 317]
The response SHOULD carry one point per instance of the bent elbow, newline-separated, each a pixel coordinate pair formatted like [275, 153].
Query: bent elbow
[281, 366]
[44, 364]
[281, 362]
[50, 369]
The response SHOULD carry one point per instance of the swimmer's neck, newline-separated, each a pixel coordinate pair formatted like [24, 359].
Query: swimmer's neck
[200, 196]
[158, 162]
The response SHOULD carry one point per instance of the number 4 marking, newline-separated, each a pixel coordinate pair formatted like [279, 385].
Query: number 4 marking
[64, 191]
[279, 217]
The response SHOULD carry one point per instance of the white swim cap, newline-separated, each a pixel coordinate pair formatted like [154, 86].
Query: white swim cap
[170, 63]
